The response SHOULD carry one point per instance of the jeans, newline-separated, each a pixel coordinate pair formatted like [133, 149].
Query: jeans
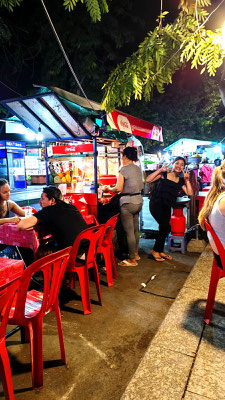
[162, 215]
[129, 214]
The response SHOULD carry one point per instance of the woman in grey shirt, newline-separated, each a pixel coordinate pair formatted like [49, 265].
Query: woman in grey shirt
[130, 184]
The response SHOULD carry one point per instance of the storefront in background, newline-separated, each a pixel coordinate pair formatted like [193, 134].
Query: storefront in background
[12, 163]
[35, 166]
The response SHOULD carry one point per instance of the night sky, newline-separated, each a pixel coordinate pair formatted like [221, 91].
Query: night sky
[21, 79]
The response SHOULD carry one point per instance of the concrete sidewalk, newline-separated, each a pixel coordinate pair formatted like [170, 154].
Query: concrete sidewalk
[186, 358]
[104, 348]
[31, 194]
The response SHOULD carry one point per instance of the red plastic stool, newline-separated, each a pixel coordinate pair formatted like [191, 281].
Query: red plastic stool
[177, 243]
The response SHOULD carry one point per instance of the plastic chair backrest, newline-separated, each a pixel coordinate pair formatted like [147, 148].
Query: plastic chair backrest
[53, 268]
[217, 242]
[92, 235]
[109, 226]
[6, 297]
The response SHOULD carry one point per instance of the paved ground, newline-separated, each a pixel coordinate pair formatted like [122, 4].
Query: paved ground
[105, 348]
[186, 358]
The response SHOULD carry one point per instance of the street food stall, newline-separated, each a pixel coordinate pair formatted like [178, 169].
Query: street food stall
[194, 150]
[64, 118]
[73, 163]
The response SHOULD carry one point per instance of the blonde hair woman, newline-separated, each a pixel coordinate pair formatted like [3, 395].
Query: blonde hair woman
[214, 206]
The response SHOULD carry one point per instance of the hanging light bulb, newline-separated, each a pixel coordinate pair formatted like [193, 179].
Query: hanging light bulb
[30, 135]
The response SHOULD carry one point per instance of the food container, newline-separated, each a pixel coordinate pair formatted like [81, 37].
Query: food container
[107, 179]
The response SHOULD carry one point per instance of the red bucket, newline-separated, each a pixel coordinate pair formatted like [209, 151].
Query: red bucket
[108, 179]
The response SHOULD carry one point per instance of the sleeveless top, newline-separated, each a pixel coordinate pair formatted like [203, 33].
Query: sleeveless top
[217, 221]
[166, 191]
[7, 210]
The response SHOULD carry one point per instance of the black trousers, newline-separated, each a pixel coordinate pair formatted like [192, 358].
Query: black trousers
[162, 215]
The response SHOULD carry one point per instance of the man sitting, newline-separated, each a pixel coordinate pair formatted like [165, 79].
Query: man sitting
[63, 221]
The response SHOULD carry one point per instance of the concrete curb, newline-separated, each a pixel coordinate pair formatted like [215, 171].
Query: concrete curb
[173, 366]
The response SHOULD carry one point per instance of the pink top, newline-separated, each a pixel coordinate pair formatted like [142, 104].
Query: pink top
[205, 173]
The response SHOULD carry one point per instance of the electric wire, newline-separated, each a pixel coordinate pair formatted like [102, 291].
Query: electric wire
[12, 90]
[65, 55]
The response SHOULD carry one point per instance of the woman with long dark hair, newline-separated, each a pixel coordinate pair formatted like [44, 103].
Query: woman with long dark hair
[129, 185]
[163, 198]
[7, 205]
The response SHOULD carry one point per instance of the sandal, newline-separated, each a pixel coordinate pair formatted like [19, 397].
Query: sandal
[158, 259]
[127, 263]
[166, 256]
[137, 257]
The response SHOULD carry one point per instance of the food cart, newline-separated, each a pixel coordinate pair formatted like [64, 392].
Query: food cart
[64, 119]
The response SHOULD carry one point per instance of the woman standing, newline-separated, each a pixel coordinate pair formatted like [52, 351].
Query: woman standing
[214, 208]
[163, 198]
[129, 184]
[7, 205]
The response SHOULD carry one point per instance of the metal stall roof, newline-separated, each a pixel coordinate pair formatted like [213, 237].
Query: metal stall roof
[53, 116]
[61, 115]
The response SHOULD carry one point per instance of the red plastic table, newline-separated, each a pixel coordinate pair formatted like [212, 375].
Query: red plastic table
[10, 270]
[10, 235]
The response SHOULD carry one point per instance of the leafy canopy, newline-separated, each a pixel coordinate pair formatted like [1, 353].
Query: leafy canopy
[94, 7]
[165, 50]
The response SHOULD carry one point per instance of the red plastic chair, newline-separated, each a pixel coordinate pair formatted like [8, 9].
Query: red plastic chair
[216, 273]
[105, 247]
[29, 307]
[6, 298]
[76, 265]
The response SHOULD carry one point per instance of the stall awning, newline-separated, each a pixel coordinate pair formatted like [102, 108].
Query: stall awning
[61, 115]
[116, 119]
[47, 113]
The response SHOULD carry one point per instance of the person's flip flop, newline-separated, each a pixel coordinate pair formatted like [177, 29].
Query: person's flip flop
[166, 257]
[126, 263]
[158, 259]
[137, 257]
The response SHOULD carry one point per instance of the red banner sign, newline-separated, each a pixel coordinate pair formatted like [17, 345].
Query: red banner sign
[135, 126]
[72, 149]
